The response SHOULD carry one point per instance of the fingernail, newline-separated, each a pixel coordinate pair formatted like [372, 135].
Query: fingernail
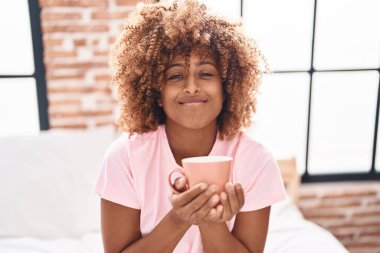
[203, 186]
[238, 187]
[215, 199]
[223, 196]
[214, 188]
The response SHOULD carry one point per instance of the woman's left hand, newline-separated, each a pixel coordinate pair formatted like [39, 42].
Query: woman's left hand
[231, 202]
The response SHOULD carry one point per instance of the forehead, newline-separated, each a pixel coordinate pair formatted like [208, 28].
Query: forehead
[196, 55]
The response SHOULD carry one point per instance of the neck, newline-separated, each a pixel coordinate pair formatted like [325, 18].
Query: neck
[185, 142]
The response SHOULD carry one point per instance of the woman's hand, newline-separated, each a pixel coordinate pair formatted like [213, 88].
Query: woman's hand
[231, 202]
[193, 205]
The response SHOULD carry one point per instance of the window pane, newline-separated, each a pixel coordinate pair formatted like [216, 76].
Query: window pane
[18, 106]
[226, 8]
[16, 49]
[347, 34]
[281, 119]
[283, 29]
[342, 121]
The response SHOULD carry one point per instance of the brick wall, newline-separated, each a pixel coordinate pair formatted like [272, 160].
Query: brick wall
[350, 210]
[77, 35]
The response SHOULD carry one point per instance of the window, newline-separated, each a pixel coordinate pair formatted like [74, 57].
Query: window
[23, 102]
[321, 103]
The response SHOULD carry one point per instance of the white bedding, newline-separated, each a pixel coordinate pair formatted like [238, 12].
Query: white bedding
[289, 232]
[48, 205]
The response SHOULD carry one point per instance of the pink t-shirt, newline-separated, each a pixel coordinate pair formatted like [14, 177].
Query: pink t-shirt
[136, 168]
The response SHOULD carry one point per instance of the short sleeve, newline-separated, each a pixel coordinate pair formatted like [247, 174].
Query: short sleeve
[260, 178]
[115, 181]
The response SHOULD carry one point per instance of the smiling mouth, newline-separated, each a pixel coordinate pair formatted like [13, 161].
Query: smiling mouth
[192, 102]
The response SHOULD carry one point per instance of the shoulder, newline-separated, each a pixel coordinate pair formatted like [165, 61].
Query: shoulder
[253, 150]
[126, 141]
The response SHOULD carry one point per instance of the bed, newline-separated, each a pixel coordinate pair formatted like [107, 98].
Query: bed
[48, 204]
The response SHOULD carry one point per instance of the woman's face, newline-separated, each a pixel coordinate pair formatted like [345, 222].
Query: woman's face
[192, 97]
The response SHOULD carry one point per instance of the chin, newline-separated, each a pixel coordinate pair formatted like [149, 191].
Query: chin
[197, 125]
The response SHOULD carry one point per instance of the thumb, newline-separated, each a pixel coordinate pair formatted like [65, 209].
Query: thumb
[180, 184]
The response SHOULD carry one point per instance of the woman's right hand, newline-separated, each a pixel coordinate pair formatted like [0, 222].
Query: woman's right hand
[194, 204]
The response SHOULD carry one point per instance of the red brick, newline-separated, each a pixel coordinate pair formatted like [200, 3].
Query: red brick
[109, 15]
[64, 102]
[79, 42]
[59, 54]
[305, 196]
[366, 213]
[51, 76]
[52, 42]
[324, 213]
[106, 123]
[79, 89]
[102, 78]
[370, 231]
[363, 244]
[375, 202]
[68, 126]
[349, 194]
[61, 16]
[111, 40]
[127, 2]
[73, 3]
[74, 28]
[105, 90]
[364, 250]
[76, 65]
[79, 113]
[101, 53]
[345, 202]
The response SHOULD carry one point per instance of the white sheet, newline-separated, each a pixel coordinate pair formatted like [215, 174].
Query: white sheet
[90, 243]
[288, 232]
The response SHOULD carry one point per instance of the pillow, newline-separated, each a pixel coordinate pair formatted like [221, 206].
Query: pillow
[47, 182]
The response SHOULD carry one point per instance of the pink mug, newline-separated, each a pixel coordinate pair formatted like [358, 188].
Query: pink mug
[206, 169]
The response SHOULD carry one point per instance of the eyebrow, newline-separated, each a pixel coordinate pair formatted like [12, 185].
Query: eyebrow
[200, 63]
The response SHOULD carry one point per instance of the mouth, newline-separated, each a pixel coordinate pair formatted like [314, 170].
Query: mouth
[192, 101]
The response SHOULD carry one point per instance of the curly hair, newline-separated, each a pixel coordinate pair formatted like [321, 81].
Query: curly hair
[156, 32]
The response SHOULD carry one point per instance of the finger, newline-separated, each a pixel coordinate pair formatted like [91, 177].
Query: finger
[182, 199]
[204, 210]
[215, 215]
[226, 205]
[240, 194]
[219, 210]
[232, 198]
[180, 184]
[211, 216]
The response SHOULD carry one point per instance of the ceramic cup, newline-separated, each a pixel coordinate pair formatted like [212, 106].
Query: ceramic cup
[206, 169]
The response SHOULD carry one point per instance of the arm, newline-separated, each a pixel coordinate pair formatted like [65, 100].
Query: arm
[121, 230]
[121, 225]
[250, 229]
[249, 233]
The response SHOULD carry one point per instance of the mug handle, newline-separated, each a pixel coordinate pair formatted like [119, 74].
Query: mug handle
[181, 171]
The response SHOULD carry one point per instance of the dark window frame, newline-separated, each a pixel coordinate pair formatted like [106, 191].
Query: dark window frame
[372, 174]
[39, 69]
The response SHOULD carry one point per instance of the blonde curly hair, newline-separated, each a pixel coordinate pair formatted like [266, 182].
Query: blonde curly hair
[156, 32]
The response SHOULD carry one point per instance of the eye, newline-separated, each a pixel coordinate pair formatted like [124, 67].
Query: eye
[175, 77]
[206, 74]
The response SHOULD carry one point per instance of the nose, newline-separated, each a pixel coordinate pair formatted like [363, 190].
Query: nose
[191, 86]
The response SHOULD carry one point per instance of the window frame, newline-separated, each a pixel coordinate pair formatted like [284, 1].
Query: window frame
[39, 69]
[306, 177]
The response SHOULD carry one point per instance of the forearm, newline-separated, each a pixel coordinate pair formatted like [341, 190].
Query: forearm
[163, 238]
[217, 238]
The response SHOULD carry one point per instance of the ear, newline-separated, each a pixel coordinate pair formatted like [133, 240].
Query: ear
[159, 102]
